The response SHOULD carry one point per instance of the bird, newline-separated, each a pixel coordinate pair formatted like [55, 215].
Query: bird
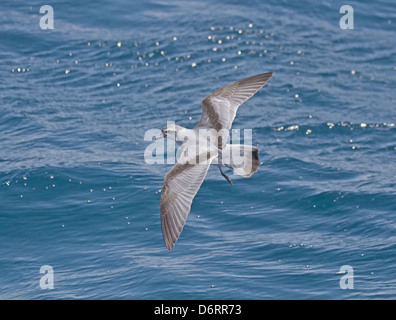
[199, 151]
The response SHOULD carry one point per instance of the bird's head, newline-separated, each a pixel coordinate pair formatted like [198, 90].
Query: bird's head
[170, 131]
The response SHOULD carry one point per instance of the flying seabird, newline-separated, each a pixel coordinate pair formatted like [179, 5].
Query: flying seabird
[199, 151]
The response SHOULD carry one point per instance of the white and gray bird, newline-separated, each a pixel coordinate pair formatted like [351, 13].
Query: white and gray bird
[199, 151]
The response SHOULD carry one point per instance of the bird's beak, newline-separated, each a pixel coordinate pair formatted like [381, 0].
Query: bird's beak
[160, 136]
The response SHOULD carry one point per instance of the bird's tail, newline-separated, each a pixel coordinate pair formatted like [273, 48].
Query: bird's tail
[242, 159]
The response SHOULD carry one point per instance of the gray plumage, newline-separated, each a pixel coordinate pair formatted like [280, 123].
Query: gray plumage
[183, 181]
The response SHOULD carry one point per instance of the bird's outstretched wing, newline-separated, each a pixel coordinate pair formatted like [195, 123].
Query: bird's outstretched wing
[220, 107]
[181, 184]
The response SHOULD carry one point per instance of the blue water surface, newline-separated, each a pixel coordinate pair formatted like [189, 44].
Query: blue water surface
[75, 190]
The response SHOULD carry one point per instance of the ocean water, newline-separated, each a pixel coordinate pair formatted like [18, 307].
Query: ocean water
[76, 193]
